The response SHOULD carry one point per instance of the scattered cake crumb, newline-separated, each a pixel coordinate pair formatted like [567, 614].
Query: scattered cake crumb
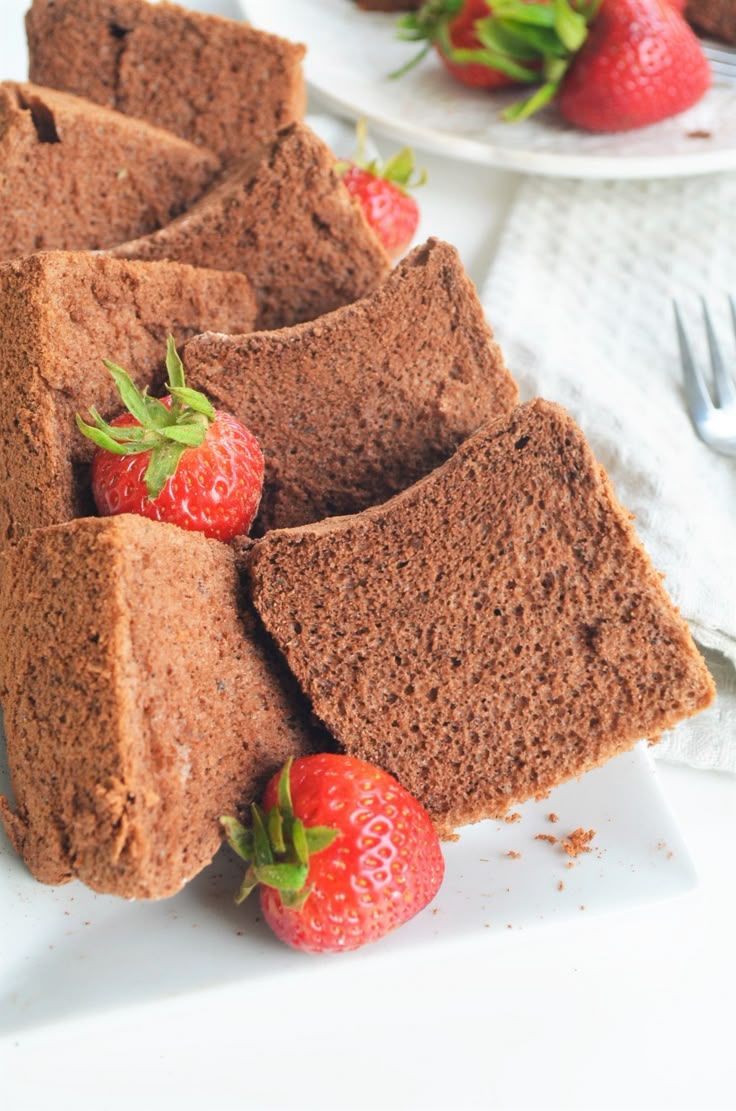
[546, 837]
[561, 885]
[699, 133]
[552, 817]
[515, 817]
[513, 855]
[578, 841]
[570, 864]
[582, 906]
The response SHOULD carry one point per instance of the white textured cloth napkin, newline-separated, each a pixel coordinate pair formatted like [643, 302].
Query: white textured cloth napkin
[579, 296]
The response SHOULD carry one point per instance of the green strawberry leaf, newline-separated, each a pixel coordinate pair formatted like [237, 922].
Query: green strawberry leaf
[262, 852]
[284, 877]
[174, 365]
[504, 37]
[284, 792]
[103, 440]
[399, 169]
[525, 108]
[158, 415]
[278, 847]
[239, 838]
[320, 837]
[570, 25]
[495, 60]
[130, 395]
[166, 432]
[275, 827]
[162, 466]
[193, 399]
[295, 900]
[533, 15]
[250, 881]
[191, 435]
[299, 839]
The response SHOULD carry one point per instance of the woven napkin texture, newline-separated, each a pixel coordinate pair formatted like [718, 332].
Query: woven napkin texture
[580, 298]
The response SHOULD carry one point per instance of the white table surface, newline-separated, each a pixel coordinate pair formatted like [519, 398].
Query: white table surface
[628, 1011]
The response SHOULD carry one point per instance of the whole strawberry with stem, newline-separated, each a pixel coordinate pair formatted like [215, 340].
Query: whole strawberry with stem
[175, 459]
[640, 64]
[382, 191]
[342, 853]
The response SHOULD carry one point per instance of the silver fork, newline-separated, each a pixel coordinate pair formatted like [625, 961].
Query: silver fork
[722, 59]
[714, 420]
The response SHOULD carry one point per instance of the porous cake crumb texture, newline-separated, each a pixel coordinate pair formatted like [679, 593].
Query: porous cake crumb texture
[63, 313]
[285, 219]
[75, 175]
[357, 405]
[216, 82]
[139, 702]
[489, 633]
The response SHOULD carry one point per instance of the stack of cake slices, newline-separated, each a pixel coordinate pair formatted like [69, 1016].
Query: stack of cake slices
[440, 581]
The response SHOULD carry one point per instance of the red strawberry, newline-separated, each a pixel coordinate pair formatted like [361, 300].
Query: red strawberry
[461, 34]
[342, 852]
[640, 64]
[381, 192]
[472, 46]
[176, 459]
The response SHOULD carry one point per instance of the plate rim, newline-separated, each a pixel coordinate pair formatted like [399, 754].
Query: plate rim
[634, 167]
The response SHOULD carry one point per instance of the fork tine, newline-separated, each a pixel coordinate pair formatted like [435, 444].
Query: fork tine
[698, 398]
[723, 382]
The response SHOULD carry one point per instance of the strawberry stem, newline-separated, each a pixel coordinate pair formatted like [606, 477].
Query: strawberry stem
[278, 846]
[166, 431]
[532, 43]
[399, 169]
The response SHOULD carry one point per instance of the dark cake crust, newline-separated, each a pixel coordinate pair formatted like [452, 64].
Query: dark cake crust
[353, 407]
[490, 632]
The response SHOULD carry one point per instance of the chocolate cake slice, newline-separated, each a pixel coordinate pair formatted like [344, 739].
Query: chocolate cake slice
[74, 175]
[213, 81]
[354, 406]
[63, 313]
[140, 702]
[715, 17]
[284, 218]
[492, 631]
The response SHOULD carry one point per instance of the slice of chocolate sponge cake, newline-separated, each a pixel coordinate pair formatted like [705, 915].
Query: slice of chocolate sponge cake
[355, 406]
[140, 703]
[284, 218]
[715, 17]
[74, 175]
[490, 632]
[216, 82]
[62, 313]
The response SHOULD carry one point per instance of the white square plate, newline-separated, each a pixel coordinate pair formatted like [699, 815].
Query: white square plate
[67, 952]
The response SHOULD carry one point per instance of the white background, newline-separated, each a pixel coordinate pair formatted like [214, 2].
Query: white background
[629, 1011]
